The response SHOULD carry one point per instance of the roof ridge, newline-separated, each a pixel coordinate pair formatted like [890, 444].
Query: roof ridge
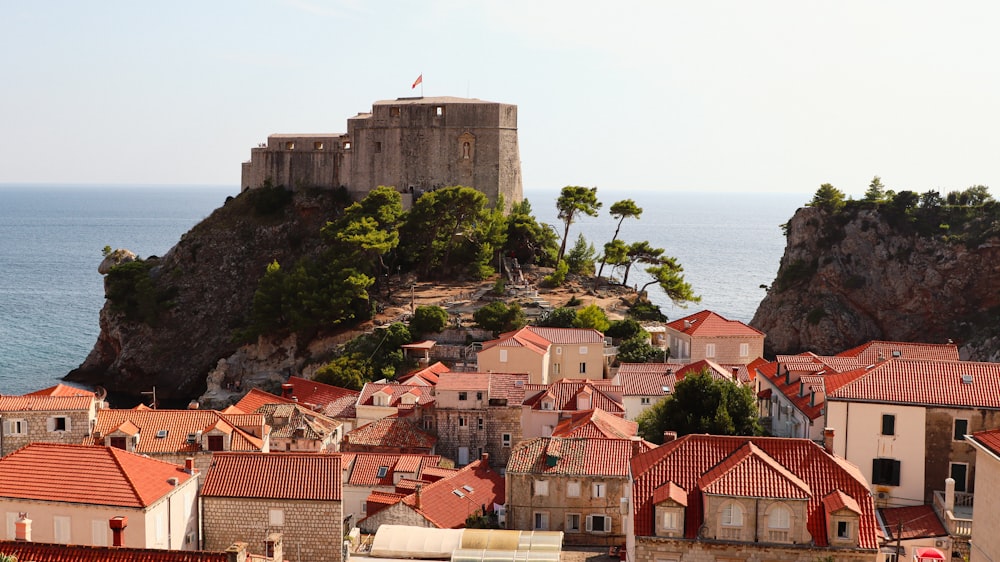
[114, 451]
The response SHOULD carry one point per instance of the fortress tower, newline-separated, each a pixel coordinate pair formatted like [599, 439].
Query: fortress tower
[412, 144]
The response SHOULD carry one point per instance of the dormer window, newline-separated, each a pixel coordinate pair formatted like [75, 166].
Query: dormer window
[547, 404]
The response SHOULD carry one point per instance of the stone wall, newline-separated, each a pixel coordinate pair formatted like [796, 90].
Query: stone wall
[940, 432]
[396, 514]
[312, 530]
[523, 503]
[650, 549]
[497, 421]
[37, 427]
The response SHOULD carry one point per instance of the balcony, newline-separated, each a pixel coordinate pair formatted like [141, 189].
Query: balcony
[958, 519]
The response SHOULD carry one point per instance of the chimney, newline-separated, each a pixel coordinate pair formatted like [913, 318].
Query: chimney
[193, 405]
[273, 547]
[237, 552]
[828, 439]
[417, 506]
[22, 528]
[485, 457]
[118, 525]
[189, 465]
[669, 436]
[286, 390]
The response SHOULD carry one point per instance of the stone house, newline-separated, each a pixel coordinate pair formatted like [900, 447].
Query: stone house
[177, 435]
[248, 496]
[364, 473]
[477, 413]
[381, 400]
[710, 497]
[597, 424]
[298, 429]
[393, 434]
[548, 354]
[70, 492]
[644, 384]
[707, 335]
[446, 503]
[573, 485]
[545, 406]
[985, 541]
[43, 418]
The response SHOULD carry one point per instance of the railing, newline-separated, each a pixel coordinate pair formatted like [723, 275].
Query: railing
[956, 523]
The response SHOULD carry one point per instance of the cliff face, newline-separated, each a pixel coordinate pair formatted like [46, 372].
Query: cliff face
[850, 278]
[209, 279]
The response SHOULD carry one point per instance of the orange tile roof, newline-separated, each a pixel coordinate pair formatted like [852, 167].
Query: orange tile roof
[311, 392]
[44, 403]
[573, 456]
[391, 432]
[719, 372]
[564, 394]
[921, 382]
[61, 390]
[917, 522]
[433, 473]
[88, 475]
[837, 500]
[397, 391]
[364, 467]
[989, 439]
[750, 472]
[287, 476]
[709, 324]
[47, 552]
[875, 350]
[463, 381]
[520, 338]
[647, 379]
[256, 398]
[427, 376]
[567, 336]
[596, 423]
[476, 484]
[670, 491]
[178, 424]
[684, 461]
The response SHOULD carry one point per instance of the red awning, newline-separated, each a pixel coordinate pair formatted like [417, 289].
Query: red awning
[928, 553]
[766, 393]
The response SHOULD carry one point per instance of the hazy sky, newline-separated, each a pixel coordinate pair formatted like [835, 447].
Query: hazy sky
[715, 96]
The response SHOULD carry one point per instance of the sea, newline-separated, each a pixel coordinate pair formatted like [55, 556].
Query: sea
[51, 238]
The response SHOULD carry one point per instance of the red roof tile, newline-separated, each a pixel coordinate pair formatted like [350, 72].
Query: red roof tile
[989, 439]
[463, 381]
[89, 475]
[750, 472]
[565, 392]
[392, 432]
[364, 467]
[568, 336]
[46, 552]
[573, 456]
[427, 376]
[670, 491]
[311, 392]
[647, 379]
[734, 373]
[44, 403]
[396, 391]
[686, 459]
[873, 351]
[520, 338]
[288, 476]
[256, 398]
[61, 390]
[837, 500]
[177, 425]
[917, 522]
[709, 324]
[448, 502]
[939, 383]
[596, 423]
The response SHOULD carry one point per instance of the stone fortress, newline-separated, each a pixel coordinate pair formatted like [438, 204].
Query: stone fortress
[413, 144]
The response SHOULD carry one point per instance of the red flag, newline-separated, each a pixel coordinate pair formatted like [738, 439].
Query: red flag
[418, 81]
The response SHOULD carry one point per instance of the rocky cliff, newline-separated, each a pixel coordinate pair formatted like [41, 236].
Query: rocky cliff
[187, 305]
[861, 274]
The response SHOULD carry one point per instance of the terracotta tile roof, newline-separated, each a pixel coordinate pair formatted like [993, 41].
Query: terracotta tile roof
[596, 423]
[751, 472]
[286, 421]
[256, 398]
[428, 376]
[449, 501]
[565, 392]
[647, 379]
[670, 491]
[567, 336]
[875, 350]
[391, 432]
[918, 522]
[575, 456]
[407, 486]
[685, 460]
[463, 381]
[378, 500]
[938, 383]
[44, 403]
[718, 372]
[432, 473]
[364, 467]
[396, 391]
[989, 439]
[286, 476]
[177, 424]
[46, 552]
[520, 338]
[709, 324]
[61, 390]
[342, 408]
[837, 500]
[312, 393]
[88, 475]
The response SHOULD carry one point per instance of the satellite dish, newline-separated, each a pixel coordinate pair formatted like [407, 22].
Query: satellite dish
[100, 393]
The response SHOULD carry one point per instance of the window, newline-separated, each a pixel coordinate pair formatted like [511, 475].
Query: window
[573, 523]
[541, 521]
[959, 472]
[573, 489]
[844, 530]
[556, 368]
[888, 424]
[559, 350]
[709, 350]
[160, 530]
[645, 401]
[463, 395]
[541, 487]
[60, 526]
[479, 395]
[583, 350]
[439, 111]
[216, 443]
[99, 532]
[479, 424]
[505, 438]
[378, 146]
[744, 349]
[503, 355]
[347, 145]
[583, 367]
[276, 517]
[885, 471]
[599, 489]
[17, 427]
[547, 404]
[382, 471]
[461, 422]
[671, 521]
[119, 443]
[289, 145]
[961, 428]
[598, 523]
[11, 531]
[779, 521]
[318, 145]
[58, 423]
[732, 515]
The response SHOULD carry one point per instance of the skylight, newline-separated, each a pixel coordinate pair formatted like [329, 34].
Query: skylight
[162, 433]
[382, 471]
[467, 488]
[458, 493]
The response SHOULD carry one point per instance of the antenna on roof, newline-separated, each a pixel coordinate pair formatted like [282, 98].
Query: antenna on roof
[153, 393]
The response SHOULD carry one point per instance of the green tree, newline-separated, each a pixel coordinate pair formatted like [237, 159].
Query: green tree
[668, 274]
[615, 253]
[640, 252]
[622, 330]
[701, 403]
[573, 201]
[828, 198]
[528, 240]
[621, 210]
[441, 222]
[637, 349]
[562, 317]
[499, 317]
[592, 316]
[558, 275]
[580, 258]
[346, 371]
[875, 192]
[428, 320]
